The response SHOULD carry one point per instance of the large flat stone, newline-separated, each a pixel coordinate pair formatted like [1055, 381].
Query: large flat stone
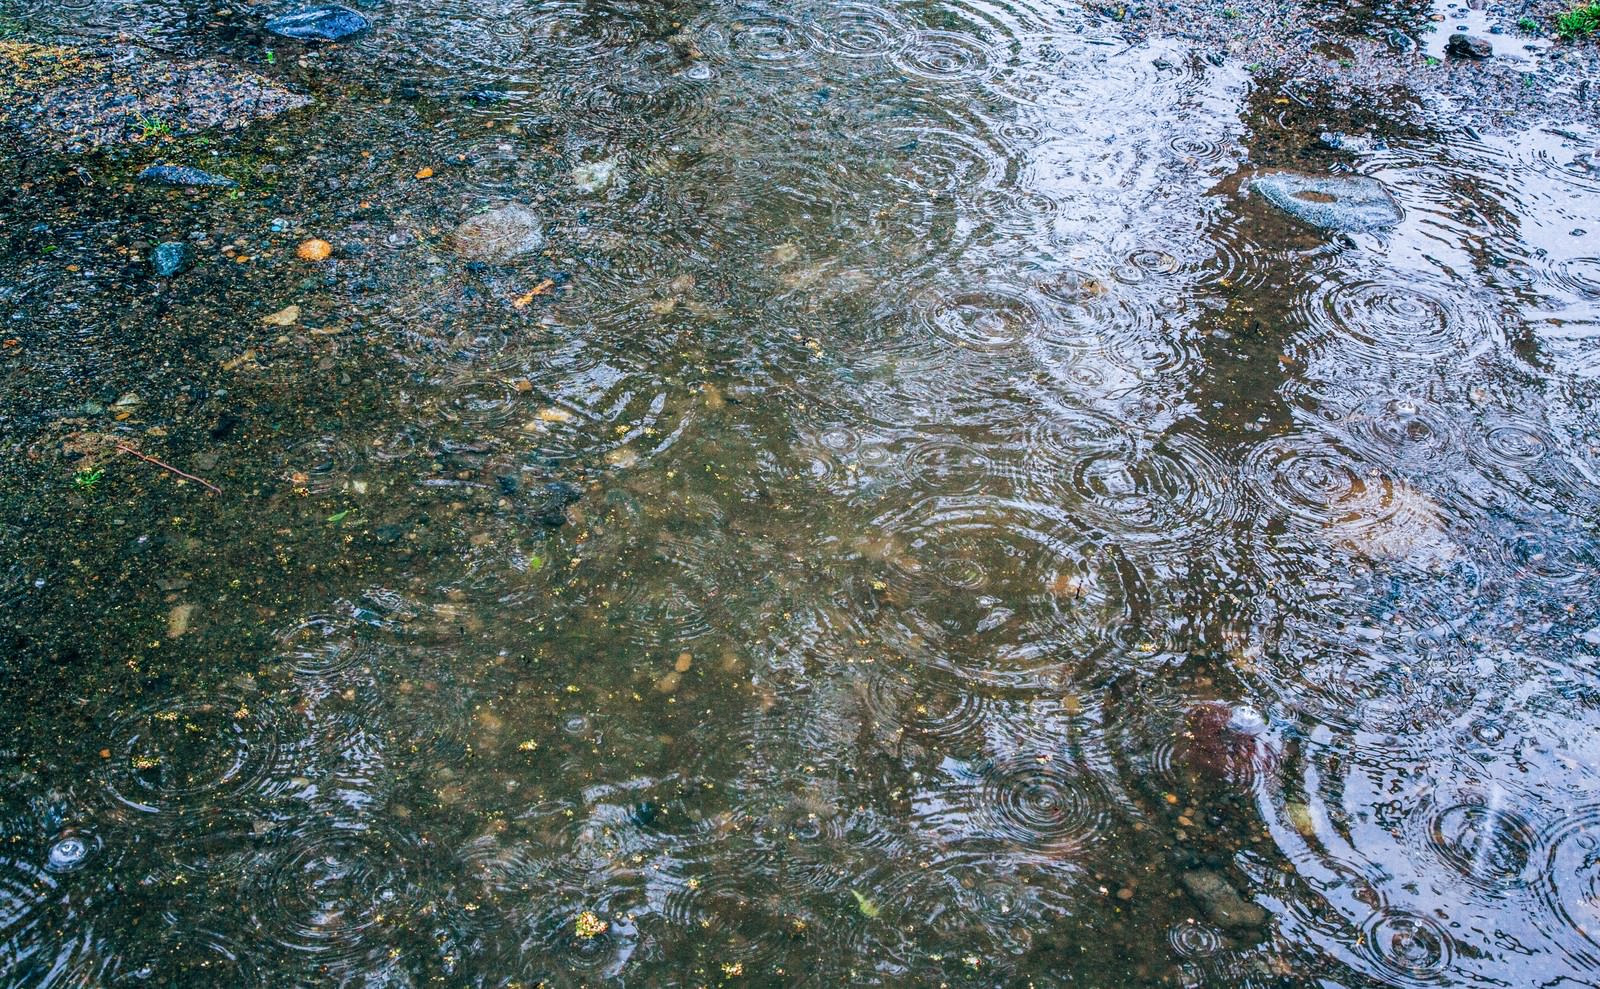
[1331, 202]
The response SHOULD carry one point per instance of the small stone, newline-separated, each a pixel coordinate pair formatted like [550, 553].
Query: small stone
[1350, 203]
[179, 620]
[1221, 902]
[287, 316]
[1467, 46]
[502, 234]
[329, 22]
[594, 176]
[171, 257]
[183, 175]
[314, 250]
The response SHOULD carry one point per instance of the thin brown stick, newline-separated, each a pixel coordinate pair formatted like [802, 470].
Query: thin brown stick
[153, 460]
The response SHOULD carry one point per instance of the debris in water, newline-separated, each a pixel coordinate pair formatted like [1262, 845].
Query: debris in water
[866, 905]
[589, 925]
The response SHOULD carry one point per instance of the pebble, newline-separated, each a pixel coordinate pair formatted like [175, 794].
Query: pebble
[594, 176]
[1221, 902]
[314, 250]
[179, 620]
[287, 316]
[184, 175]
[170, 258]
[329, 22]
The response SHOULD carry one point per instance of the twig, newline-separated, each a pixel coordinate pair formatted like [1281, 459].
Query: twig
[153, 460]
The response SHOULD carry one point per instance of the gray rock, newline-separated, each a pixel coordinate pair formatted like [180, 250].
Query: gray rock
[1466, 46]
[1332, 202]
[183, 175]
[502, 234]
[329, 22]
[1221, 902]
[171, 257]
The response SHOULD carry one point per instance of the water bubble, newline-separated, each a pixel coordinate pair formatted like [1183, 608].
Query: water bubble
[70, 852]
[1491, 847]
[1040, 801]
[859, 30]
[1410, 948]
[1191, 939]
[1569, 884]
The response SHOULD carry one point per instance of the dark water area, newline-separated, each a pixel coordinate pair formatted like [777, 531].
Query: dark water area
[917, 519]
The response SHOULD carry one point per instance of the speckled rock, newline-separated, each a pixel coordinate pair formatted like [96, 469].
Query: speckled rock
[183, 175]
[170, 258]
[1348, 203]
[502, 234]
[329, 22]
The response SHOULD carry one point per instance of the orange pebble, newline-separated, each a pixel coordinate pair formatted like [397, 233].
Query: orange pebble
[314, 250]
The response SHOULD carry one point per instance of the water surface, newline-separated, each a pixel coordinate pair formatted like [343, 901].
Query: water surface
[1007, 552]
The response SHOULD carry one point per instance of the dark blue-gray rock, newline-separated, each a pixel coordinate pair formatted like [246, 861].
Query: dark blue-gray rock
[1347, 203]
[557, 496]
[1466, 46]
[329, 22]
[171, 257]
[184, 175]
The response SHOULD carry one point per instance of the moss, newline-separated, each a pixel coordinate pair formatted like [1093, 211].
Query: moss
[1582, 21]
[26, 67]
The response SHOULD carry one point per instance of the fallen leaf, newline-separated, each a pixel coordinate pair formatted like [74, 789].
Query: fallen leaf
[522, 301]
[425, 172]
[864, 903]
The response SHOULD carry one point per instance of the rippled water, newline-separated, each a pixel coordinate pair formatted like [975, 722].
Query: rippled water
[1005, 551]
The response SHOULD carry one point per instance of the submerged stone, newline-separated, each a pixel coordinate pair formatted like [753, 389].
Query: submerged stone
[1330, 202]
[1466, 46]
[329, 22]
[594, 176]
[499, 235]
[170, 257]
[184, 175]
[1222, 903]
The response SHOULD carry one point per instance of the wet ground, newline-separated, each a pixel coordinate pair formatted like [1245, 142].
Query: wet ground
[919, 519]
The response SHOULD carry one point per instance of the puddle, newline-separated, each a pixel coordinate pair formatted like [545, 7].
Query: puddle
[806, 494]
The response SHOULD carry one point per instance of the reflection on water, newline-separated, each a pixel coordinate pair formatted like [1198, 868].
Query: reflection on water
[920, 521]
